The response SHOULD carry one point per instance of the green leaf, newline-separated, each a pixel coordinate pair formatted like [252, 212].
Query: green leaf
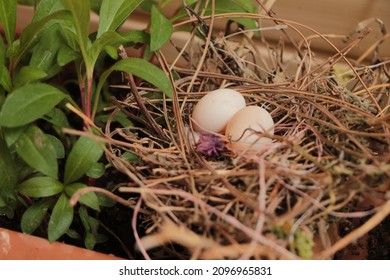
[147, 71]
[57, 145]
[247, 5]
[45, 8]
[90, 223]
[2, 97]
[5, 79]
[84, 153]
[28, 103]
[89, 199]
[112, 38]
[57, 118]
[140, 68]
[123, 120]
[105, 201]
[226, 7]
[80, 11]
[95, 5]
[66, 55]
[8, 210]
[236, 6]
[136, 36]
[147, 5]
[24, 170]
[97, 170]
[91, 226]
[8, 172]
[34, 215]
[2, 56]
[27, 75]
[40, 187]
[29, 34]
[73, 234]
[11, 134]
[101, 238]
[2, 203]
[130, 157]
[71, 39]
[109, 38]
[161, 30]
[61, 218]
[83, 213]
[191, 2]
[8, 18]
[114, 13]
[44, 54]
[112, 52]
[36, 149]
[90, 241]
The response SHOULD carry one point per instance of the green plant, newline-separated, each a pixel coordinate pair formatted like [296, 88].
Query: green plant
[41, 167]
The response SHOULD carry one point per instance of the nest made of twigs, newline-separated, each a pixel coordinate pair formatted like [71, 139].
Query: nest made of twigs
[328, 162]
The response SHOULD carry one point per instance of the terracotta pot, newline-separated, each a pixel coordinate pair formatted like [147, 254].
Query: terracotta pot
[19, 246]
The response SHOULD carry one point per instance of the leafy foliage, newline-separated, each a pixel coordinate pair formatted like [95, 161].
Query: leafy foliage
[80, 11]
[61, 218]
[8, 18]
[143, 69]
[83, 155]
[113, 13]
[9, 178]
[40, 187]
[32, 115]
[89, 199]
[28, 103]
[225, 7]
[161, 30]
[34, 215]
[36, 149]
[28, 38]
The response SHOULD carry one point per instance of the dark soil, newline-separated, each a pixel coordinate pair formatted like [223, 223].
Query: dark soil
[373, 246]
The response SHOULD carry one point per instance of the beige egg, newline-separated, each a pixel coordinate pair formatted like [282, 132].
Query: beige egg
[214, 110]
[245, 129]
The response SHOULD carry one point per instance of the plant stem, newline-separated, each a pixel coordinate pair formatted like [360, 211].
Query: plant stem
[82, 94]
[88, 97]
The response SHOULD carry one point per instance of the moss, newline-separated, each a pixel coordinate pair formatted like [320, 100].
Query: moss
[303, 242]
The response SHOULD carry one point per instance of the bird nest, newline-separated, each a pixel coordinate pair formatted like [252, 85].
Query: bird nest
[328, 165]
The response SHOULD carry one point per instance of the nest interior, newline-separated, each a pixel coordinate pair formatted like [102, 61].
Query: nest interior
[321, 185]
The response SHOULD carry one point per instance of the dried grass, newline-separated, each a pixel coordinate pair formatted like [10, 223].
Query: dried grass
[329, 160]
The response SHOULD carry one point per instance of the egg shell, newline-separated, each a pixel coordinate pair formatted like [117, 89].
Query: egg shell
[242, 128]
[215, 109]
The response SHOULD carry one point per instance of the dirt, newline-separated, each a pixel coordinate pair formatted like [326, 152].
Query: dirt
[373, 246]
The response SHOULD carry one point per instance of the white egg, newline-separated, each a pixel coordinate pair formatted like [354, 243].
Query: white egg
[214, 110]
[245, 129]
